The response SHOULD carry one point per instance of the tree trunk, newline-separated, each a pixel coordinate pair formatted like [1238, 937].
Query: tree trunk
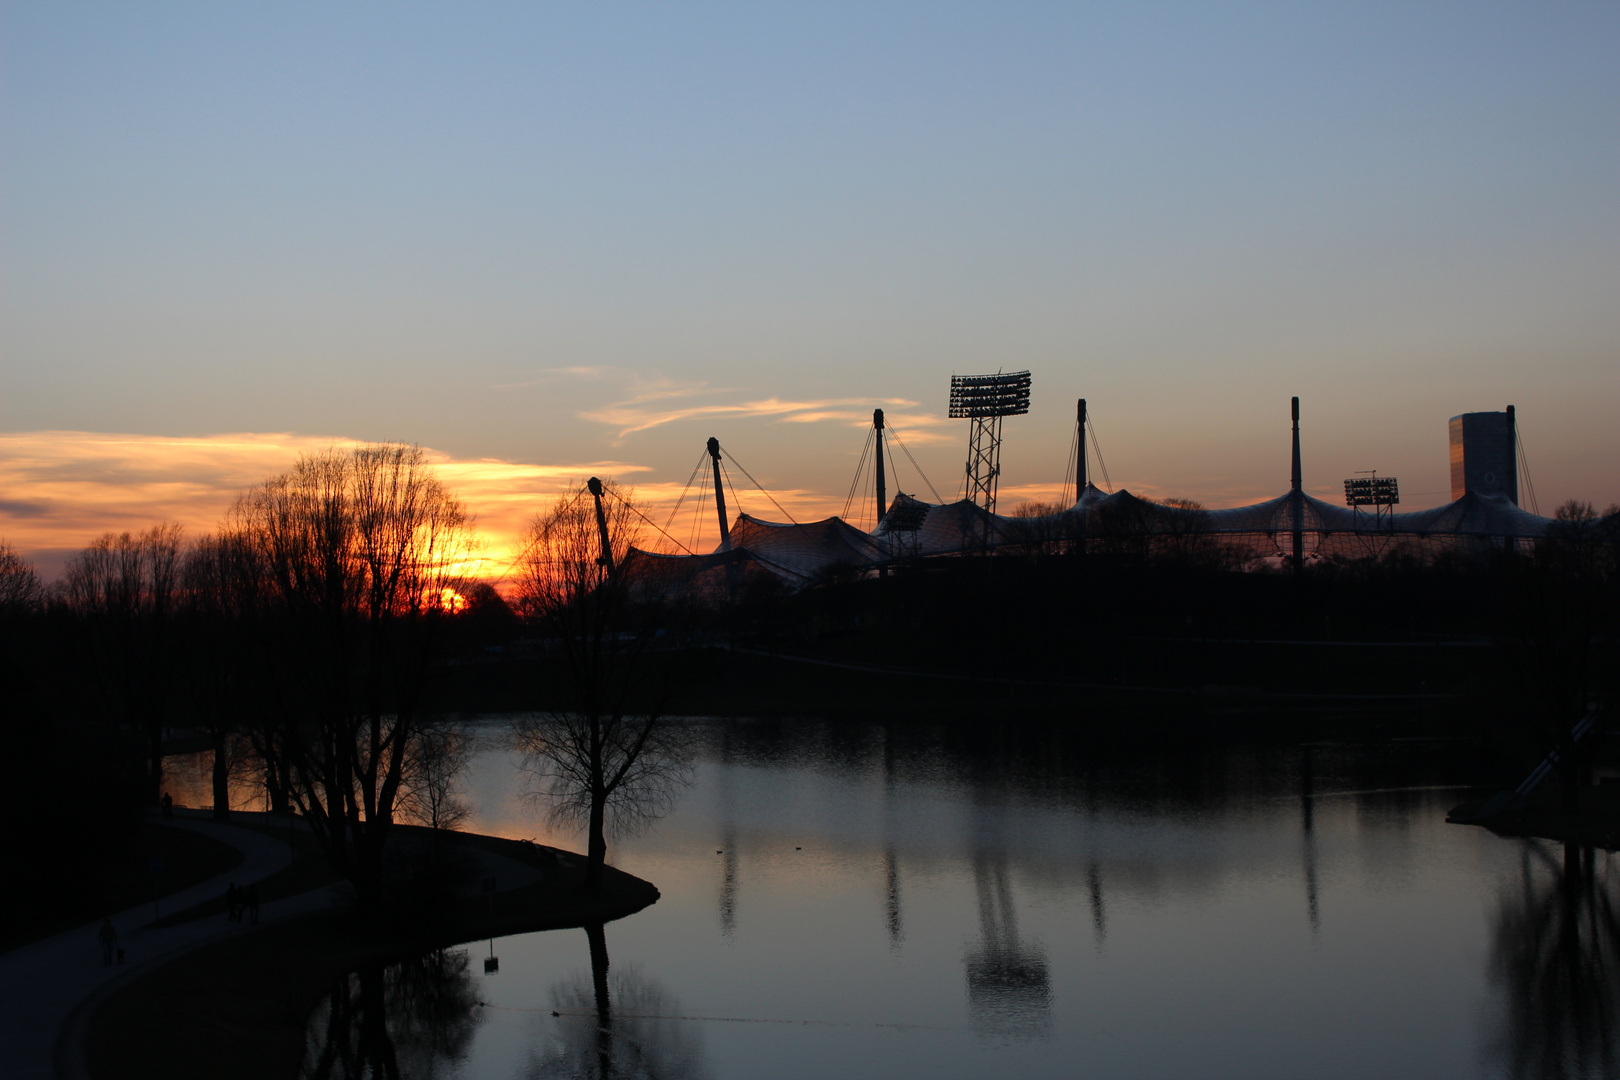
[278, 782]
[604, 1007]
[596, 850]
[154, 749]
[222, 776]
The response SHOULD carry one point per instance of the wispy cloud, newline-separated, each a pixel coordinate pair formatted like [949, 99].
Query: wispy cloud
[639, 414]
[577, 372]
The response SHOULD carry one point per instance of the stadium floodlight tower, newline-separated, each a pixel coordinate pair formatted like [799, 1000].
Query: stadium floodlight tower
[985, 399]
[1382, 493]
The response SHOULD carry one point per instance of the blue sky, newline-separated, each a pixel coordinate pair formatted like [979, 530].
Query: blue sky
[521, 232]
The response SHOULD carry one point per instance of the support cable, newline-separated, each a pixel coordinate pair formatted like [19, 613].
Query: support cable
[636, 511]
[895, 472]
[1098, 447]
[1524, 471]
[701, 459]
[1069, 470]
[520, 556]
[698, 512]
[759, 485]
[736, 499]
[860, 470]
[914, 464]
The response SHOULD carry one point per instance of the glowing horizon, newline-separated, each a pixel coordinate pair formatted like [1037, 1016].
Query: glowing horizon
[65, 488]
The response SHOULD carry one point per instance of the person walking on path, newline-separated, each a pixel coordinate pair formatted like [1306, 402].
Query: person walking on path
[233, 903]
[253, 903]
[109, 941]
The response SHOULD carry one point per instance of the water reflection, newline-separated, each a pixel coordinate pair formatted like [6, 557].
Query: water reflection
[1307, 804]
[893, 917]
[727, 900]
[1555, 948]
[1032, 899]
[615, 1024]
[1099, 914]
[412, 1020]
[1008, 989]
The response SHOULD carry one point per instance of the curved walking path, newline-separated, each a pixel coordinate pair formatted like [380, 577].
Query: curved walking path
[49, 988]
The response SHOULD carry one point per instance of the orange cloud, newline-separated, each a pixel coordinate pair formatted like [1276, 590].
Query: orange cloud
[62, 489]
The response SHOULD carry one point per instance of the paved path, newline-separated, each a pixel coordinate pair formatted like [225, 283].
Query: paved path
[48, 989]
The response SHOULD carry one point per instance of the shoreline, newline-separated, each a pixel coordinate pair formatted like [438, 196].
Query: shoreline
[240, 1006]
[1596, 824]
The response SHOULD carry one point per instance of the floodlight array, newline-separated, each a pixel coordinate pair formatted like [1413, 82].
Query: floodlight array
[905, 516]
[978, 396]
[1371, 491]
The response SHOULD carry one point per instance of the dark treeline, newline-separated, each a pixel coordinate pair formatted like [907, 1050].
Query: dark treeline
[296, 640]
[318, 639]
[1513, 646]
[306, 644]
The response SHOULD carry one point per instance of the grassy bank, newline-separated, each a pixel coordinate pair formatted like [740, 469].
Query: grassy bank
[239, 1008]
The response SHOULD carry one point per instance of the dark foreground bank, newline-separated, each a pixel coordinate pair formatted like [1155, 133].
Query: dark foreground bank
[240, 1008]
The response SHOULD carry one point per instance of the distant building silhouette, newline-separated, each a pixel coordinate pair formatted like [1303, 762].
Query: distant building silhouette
[1483, 455]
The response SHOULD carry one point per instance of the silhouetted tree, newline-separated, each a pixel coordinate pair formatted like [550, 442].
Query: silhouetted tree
[434, 763]
[366, 556]
[1039, 528]
[223, 598]
[124, 590]
[20, 589]
[1557, 651]
[1183, 530]
[618, 1023]
[414, 1020]
[606, 758]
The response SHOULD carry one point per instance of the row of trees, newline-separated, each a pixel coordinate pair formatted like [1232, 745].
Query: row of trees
[1171, 530]
[307, 628]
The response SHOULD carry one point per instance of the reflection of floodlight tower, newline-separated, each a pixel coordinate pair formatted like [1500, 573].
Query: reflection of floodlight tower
[985, 399]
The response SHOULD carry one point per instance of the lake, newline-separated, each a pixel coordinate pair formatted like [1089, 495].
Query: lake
[886, 900]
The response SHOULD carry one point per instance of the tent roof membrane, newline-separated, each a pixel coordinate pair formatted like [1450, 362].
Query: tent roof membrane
[797, 555]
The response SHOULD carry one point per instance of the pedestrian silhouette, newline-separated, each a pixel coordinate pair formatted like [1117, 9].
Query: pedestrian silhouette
[168, 805]
[233, 903]
[109, 941]
[253, 903]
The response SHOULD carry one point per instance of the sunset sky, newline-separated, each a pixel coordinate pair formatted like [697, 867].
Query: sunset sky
[544, 241]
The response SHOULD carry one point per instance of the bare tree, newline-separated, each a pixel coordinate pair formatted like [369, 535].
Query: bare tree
[607, 758]
[1039, 528]
[1557, 663]
[124, 589]
[1183, 530]
[430, 793]
[366, 554]
[20, 588]
[223, 599]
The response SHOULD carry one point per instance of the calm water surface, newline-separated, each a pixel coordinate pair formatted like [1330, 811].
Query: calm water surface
[872, 901]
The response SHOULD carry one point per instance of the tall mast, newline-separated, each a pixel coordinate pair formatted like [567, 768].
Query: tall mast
[720, 495]
[882, 488]
[1296, 501]
[606, 560]
[1080, 456]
